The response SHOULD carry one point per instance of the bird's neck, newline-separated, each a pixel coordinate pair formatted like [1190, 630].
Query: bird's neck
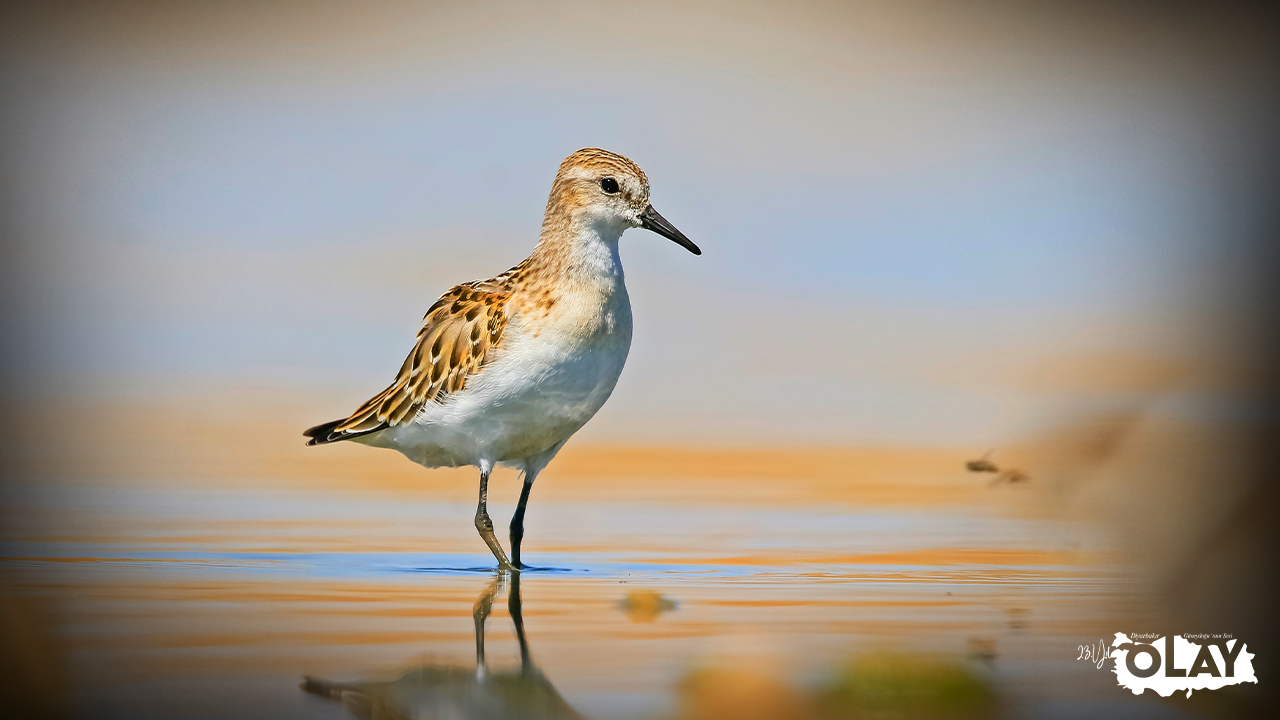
[580, 250]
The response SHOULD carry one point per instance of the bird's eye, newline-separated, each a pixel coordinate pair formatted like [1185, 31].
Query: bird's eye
[609, 185]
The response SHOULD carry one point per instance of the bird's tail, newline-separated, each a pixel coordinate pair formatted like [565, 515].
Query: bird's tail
[323, 433]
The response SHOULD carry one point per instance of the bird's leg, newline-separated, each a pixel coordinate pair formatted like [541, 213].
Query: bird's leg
[485, 525]
[517, 521]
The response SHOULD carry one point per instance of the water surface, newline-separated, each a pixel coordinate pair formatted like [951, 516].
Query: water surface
[197, 601]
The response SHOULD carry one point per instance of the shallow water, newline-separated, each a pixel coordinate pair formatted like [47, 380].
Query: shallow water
[198, 602]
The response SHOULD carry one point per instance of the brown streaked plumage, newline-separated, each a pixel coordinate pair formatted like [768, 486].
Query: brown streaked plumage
[457, 336]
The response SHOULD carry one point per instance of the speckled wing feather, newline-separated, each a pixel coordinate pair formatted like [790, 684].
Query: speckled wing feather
[457, 338]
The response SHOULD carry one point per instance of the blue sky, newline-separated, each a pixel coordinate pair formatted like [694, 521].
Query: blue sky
[884, 194]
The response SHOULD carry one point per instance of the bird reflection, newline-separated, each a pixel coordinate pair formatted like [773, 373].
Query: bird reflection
[452, 691]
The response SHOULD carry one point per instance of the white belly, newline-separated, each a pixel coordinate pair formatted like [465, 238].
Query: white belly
[536, 393]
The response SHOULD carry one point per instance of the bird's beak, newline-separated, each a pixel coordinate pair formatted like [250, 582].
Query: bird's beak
[651, 220]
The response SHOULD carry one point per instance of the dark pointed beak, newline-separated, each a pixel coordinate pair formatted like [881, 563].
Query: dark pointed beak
[651, 220]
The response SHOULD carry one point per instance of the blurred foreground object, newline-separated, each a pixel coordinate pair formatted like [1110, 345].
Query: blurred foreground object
[876, 685]
[32, 677]
[645, 606]
[1191, 499]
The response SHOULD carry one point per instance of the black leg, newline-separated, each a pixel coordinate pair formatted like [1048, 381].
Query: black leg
[485, 525]
[517, 523]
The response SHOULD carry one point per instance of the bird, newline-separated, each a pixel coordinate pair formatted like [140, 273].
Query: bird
[505, 370]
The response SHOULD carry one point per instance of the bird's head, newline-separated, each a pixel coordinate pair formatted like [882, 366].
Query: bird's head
[606, 190]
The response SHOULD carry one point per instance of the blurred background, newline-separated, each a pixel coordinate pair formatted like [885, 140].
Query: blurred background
[930, 230]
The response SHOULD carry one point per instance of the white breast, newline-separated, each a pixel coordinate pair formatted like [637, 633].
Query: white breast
[547, 379]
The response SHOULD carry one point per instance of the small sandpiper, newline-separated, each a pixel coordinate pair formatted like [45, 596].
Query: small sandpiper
[506, 370]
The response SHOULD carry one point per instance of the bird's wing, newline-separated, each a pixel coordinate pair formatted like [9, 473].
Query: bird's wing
[457, 338]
